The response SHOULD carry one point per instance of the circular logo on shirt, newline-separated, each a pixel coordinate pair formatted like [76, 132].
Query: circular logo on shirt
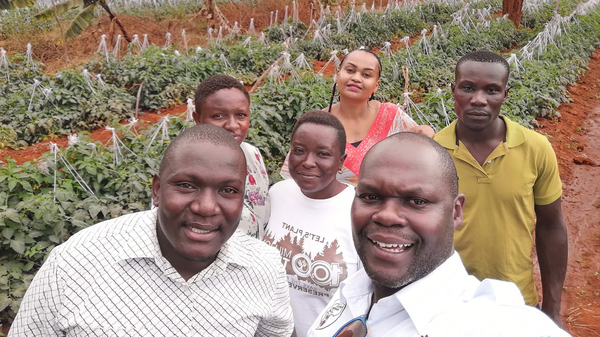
[331, 315]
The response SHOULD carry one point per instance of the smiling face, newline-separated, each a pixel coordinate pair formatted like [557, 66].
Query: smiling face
[358, 76]
[479, 92]
[199, 198]
[228, 109]
[315, 159]
[403, 222]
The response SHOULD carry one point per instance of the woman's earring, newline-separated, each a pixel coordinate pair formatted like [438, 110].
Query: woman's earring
[340, 171]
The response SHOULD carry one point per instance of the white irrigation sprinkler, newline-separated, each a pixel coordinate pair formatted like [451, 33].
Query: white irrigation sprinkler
[276, 14]
[387, 49]
[274, 74]
[251, 28]
[438, 93]
[301, 62]
[102, 47]
[115, 52]
[363, 8]
[411, 59]
[163, 128]
[271, 20]
[145, 43]
[73, 139]
[135, 42]
[286, 15]
[373, 7]
[176, 53]
[93, 151]
[88, 79]
[131, 125]
[514, 62]
[29, 55]
[57, 155]
[167, 41]
[331, 59]
[189, 111]
[210, 33]
[36, 83]
[220, 35]
[198, 49]
[115, 145]
[288, 68]
[295, 16]
[235, 30]
[246, 42]
[424, 44]
[4, 63]
[225, 61]
[411, 106]
[262, 39]
[185, 45]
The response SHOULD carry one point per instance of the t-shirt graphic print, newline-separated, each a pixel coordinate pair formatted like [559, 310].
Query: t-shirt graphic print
[314, 239]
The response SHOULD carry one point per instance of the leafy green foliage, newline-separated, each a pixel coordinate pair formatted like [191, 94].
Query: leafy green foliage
[64, 103]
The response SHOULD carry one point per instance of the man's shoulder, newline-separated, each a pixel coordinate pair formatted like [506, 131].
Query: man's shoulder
[531, 138]
[109, 230]
[254, 253]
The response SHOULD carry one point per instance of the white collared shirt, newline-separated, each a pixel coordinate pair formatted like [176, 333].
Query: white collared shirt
[447, 302]
[112, 280]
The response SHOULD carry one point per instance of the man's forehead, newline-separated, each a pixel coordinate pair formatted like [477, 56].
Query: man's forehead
[393, 157]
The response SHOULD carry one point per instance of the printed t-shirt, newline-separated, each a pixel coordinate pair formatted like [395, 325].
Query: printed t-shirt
[314, 239]
[496, 237]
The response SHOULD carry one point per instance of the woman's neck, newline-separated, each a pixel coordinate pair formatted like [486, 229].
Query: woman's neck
[350, 110]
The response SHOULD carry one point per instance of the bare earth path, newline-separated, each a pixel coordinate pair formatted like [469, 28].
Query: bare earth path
[576, 139]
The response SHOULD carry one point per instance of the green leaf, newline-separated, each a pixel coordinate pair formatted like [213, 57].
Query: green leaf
[11, 4]
[26, 185]
[7, 233]
[12, 214]
[4, 299]
[18, 246]
[80, 22]
[58, 9]
[12, 183]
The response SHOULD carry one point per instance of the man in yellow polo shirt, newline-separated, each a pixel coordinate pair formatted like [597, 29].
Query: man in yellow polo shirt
[509, 176]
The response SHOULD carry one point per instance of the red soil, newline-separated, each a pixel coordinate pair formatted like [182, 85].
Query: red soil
[576, 139]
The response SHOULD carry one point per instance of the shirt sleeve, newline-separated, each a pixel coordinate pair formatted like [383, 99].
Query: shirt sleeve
[547, 187]
[39, 311]
[280, 322]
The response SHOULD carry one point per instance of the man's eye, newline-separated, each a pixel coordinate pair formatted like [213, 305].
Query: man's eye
[419, 202]
[217, 116]
[467, 88]
[324, 154]
[369, 197]
[297, 151]
[229, 190]
[185, 185]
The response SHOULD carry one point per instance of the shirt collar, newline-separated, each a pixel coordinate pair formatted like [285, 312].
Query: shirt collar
[143, 243]
[513, 138]
[427, 297]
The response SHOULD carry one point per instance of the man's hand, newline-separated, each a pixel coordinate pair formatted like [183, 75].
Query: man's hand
[425, 130]
[552, 250]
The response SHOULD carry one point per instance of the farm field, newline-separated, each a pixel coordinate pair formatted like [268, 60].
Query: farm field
[139, 91]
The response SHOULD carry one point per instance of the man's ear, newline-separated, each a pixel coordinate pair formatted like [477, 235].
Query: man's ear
[156, 190]
[506, 94]
[452, 86]
[342, 159]
[196, 115]
[459, 204]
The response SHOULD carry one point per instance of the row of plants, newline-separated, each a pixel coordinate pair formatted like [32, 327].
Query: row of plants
[36, 106]
[159, 77]
[36, 215]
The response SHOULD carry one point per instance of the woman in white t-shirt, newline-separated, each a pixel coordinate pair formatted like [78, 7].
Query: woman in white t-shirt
[310, 217]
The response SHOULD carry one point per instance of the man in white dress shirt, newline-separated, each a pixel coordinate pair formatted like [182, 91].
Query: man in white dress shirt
[178, 270]
[406, 209]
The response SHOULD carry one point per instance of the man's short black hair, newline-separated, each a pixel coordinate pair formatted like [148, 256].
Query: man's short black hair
[323, 118]
[215, 83]
[483, 56]
[199, 133]
[445, 162]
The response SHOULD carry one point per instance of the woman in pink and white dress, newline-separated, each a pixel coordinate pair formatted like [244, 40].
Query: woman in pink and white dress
[365, 120]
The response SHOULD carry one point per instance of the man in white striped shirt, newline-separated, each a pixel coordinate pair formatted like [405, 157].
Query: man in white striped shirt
[178, 270]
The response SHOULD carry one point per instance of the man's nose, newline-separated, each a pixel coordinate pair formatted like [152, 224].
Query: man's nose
[479, 98]
[390, 214]
[205, 203]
